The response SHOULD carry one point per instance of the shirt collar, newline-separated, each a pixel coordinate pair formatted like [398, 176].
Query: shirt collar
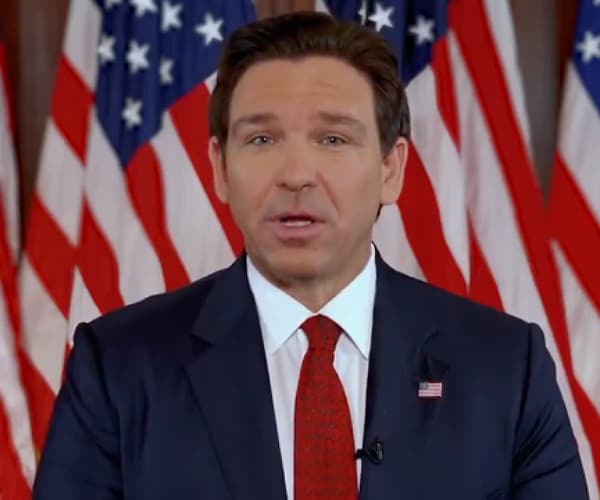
[281, 315]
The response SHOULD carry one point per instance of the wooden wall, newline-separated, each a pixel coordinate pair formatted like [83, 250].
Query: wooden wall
[33, 31]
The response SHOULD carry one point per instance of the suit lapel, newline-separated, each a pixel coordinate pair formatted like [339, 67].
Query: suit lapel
[230, 380]
[403, 354]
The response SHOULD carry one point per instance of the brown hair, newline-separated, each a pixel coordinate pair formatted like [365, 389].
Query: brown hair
[302, 34]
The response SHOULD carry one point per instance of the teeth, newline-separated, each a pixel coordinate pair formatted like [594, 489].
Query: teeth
[297, 223]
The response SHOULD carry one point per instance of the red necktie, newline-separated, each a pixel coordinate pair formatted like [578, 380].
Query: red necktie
[324, 463]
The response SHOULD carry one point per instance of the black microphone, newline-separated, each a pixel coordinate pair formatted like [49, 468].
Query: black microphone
[374, 453]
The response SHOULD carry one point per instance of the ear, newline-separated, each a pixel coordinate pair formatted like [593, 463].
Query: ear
[216, 156]
[392, 174]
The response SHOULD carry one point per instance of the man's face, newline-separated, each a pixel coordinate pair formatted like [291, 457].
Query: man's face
[302, 169]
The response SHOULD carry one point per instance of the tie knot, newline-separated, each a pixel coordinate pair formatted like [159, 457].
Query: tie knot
[322, 332]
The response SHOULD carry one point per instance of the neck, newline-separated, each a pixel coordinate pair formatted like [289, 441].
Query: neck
[315, 291]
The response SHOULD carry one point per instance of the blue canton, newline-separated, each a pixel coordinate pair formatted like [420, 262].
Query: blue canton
[151, 53]
[586, 48]
[410, 26]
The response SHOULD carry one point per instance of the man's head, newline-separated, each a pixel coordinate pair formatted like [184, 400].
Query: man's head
[309, 126]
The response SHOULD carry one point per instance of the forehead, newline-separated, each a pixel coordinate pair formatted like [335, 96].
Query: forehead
[313, 82]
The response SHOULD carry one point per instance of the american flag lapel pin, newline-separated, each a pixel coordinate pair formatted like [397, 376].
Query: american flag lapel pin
[430, 390]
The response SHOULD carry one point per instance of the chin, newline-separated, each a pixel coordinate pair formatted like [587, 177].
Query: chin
[290, 265]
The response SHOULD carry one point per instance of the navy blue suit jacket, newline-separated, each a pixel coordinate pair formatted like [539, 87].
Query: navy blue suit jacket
[170, 399]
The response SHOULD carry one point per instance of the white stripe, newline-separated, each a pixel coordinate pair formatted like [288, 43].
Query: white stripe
[44, 327]
[83, 307]
[440, 159]
[60, 183]
[584, 329]
[192, 224]
[81, 40]
[579, 134]
[499, 19]
[495, 226]
[8, 178]
[140, 272]
[391, 240]
[13, 397]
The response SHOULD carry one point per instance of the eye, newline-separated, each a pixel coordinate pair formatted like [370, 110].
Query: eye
[260, 140]
[333, 140]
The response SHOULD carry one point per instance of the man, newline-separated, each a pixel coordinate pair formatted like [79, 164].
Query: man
[263, 380]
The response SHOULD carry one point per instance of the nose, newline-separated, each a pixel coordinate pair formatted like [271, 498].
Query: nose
[297, 171]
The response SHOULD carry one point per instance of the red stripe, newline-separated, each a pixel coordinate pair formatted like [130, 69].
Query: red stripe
[576, 229]
[422, 221]
[145, 185]
[51, 255]
[13, 485]
[444, 87]
[4, 80]
[468, 19]
[41, 399]
[71, 107]
[482, 287]
[189, 117]
[98, 265]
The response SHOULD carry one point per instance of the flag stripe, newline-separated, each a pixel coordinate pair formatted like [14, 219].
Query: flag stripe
[50, 254]
[576, 229]
[109, 203]
[578, 139]
[472, 31]
[145, 186]
[444, 88]
[60, 187]
[71, 107]
[191, 220]
[194, 137]
[422, 222]
[97, 264]
[482, 287]
[13, 485]
[432, 142]
[390, 237]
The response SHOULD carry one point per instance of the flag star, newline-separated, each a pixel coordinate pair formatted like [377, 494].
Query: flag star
[423, 30]
[589, 47]
[211, 29]
[170, 16]
[362, 13]
[143, 6]
[137, 56]
[382, 17]
[132, 114]
[106, 49]
[596, 2]
[166, 69]
[109, 4]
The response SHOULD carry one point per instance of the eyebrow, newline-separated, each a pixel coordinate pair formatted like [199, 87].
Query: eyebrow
[252, 119]
[330, 118]
[342, 119]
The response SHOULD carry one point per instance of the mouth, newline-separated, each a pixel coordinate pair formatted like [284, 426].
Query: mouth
[296, 228]
[296, 220]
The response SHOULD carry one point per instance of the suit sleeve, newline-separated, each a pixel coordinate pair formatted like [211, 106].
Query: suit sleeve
[546, 463]
[81, 455]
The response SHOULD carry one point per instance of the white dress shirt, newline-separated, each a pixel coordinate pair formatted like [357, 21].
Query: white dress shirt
[285, 344]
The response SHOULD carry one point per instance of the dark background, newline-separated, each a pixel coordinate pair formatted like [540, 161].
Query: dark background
[33, 31]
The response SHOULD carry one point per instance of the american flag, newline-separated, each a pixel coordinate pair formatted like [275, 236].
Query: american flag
[124, 204]
[17, 460]
[471, 218]
[430, 390]
[575, 205]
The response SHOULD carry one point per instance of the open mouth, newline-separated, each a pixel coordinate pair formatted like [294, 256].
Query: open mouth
[296, 220]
